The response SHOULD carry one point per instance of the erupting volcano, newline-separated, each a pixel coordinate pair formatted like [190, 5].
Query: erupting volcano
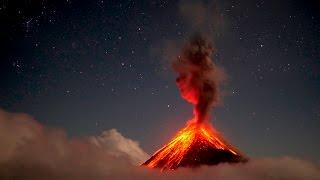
[194, 145]
[198, 143]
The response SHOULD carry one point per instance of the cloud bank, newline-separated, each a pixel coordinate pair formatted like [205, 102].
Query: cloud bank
[28, 150]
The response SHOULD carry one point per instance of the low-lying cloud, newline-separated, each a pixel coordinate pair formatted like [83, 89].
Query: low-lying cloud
[28, 150]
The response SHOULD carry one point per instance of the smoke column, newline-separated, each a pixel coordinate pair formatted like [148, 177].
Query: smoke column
[198, 77]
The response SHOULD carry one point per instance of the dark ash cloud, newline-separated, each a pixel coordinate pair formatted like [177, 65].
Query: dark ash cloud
[199, 78]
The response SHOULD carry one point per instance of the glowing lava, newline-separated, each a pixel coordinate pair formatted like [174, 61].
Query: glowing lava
[194, 145]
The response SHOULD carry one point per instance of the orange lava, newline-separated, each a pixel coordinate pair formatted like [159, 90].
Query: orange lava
[175, 150]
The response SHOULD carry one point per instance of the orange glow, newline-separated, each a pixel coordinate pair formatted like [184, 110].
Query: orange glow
[171, 154]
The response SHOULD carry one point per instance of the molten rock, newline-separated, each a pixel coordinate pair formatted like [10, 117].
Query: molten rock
[195, 145]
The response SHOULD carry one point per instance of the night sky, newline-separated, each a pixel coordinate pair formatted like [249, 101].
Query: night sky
[88, 66]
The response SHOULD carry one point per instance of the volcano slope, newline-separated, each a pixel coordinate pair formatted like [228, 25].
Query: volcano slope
[195, 145]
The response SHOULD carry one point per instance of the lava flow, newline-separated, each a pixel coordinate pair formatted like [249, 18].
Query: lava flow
[194, 145]
[198, 143]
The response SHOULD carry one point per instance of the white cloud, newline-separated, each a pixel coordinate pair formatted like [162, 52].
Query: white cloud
[117, 145]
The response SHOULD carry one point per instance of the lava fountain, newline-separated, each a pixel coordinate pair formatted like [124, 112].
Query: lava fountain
[198, 143]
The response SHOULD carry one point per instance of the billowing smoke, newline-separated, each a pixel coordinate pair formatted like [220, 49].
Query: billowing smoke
[199, 77]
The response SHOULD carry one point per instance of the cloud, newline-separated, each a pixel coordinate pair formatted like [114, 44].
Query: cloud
[117, 145]
[28, 150]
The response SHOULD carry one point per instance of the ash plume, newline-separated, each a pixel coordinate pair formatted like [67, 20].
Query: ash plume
[199, 77]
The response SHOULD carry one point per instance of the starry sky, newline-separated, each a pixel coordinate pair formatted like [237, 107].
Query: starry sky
[88, 66]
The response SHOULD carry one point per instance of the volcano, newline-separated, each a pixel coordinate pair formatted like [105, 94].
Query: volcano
[198, 143]
[195, 145]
